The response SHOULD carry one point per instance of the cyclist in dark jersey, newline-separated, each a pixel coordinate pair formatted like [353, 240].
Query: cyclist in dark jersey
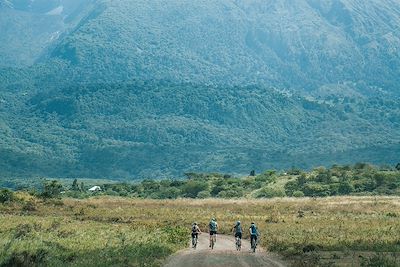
[213, 228]
[195, 232]
[237, 229]
[253, 233]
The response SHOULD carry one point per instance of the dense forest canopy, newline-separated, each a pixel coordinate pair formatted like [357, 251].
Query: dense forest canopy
[133, 89]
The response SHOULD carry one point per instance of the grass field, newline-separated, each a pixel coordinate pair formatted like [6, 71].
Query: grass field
[107, 231]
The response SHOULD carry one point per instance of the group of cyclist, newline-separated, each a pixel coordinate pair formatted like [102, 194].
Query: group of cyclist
[236, 229]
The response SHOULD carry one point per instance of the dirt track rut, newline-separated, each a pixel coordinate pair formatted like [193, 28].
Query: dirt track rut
[224, 254]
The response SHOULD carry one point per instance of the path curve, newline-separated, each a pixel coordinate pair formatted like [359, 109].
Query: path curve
[223, 254]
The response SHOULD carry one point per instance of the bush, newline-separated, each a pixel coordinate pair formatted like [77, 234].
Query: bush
[6, 196]
[291, 187]
[52, 189]
[26, 258]
[379, 260]
[270, 193]
[298, 194]
[204, 194]
[170, 193]
[30, 205]
[317, 190]
[193, 187]
[345, 188]
[230, 194]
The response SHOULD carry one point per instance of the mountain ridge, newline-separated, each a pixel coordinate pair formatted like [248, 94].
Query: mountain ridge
[146, 89]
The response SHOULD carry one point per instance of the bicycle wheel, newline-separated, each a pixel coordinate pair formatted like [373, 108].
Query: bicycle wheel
[238, 244]
[253, 245]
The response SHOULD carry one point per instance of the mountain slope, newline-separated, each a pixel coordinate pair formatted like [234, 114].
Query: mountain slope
[300, 45]
[162, 129]
[157, 88]
[29, 28]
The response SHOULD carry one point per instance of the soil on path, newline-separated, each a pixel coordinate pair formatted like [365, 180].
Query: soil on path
[223, 254]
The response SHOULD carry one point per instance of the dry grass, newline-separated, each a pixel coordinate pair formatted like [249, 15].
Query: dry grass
[133, 232]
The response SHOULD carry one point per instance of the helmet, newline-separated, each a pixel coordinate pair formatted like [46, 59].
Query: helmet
[213, 219]
[195, 223]
[252, 222]
[238, 222]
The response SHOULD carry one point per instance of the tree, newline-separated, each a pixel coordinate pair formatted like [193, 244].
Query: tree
[345, 188]
[52, 189]
[75, 186]
[193, 187]
[6, 196]
[291, 187]
[82, 187]
[301, 180]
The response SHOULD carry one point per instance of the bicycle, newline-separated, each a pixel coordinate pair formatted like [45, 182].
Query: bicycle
[238, 243]
[253, 244]
[194, 241]
[213, 240]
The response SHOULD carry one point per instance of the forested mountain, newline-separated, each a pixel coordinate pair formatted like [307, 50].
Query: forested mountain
[141, 88]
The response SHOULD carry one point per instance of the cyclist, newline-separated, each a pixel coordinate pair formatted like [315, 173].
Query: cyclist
[213, 228]
[253, 233]
[237, 229]
[195, 233]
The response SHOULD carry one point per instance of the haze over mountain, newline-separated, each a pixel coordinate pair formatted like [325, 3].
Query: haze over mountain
[149, 88]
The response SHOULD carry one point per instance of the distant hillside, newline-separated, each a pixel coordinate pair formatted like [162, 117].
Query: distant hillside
[300, 45]
[30, 28]
[163, 129]
[155, 88]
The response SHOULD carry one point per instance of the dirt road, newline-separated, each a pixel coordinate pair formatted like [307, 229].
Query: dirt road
[224, 254]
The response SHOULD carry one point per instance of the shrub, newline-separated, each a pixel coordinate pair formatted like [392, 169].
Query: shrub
[230, 194]
[379, 260]
[193, 187]
[23, 230]
[298, 194]
[270, 193]
[345, 188]
[204, 194]
[26, 258]
[170, 193]
[317, 190]
[51, 189]
[6, 196]
[30, 205]
[291, 187]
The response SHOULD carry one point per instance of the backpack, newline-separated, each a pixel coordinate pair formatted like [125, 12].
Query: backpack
[238, 228]
[213, 226]
[253, 230]
[194, 229]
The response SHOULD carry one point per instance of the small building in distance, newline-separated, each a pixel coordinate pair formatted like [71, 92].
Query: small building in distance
[95, 188]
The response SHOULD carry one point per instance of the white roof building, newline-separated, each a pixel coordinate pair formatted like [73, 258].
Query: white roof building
[95, 188]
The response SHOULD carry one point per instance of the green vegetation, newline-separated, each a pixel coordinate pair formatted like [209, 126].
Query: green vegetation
[121, 94]
[111, 231]
[6, 196]
[161, 129]
[359, 179]
[38, 238]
